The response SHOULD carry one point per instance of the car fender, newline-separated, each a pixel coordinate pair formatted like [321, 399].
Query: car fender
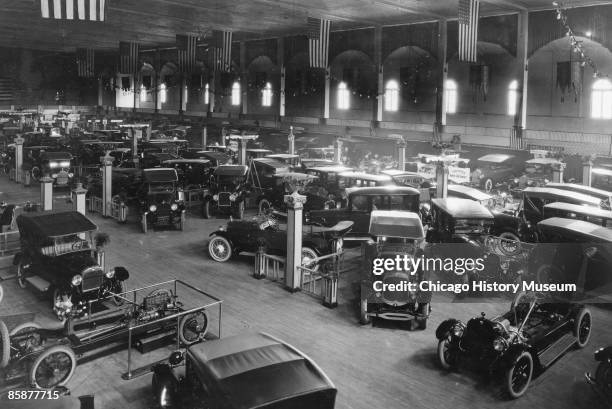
[512, 354]
[312, 243]
[163, 376]
[222, 233]
[603, 354]
[445, 328]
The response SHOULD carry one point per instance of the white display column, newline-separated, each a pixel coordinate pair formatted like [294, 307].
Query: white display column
[442, 180]
[338, 151]
[558, 173]
[18, 158]
[79, 202]
[46, 193]
[204, 137]
[587, 171]
[107, 184]
[291, 140]
[401, 155]
[293, 275]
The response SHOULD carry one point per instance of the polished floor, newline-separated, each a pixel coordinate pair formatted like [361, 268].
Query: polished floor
[382, 366]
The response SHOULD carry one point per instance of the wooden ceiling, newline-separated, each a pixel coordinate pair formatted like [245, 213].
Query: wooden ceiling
[156, 22]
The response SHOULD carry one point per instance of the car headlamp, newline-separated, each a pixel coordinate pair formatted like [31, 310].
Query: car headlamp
[152, 208]
[500, 344]
[215, 197]
[110, 273]
[77, 280]
[54, 176]
[516, 180]
[70, 175]
[458, 329]
[53, 164]
[481, 176]
[233, 197]
[546, 180]
[173, 206]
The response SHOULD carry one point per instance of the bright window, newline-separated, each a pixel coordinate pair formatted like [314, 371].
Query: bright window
[207, 94]
[185, 94]
[513, 96]
[450, 89]
[236, 93]
[163, 93]
[343, 96]
[266, 95]
[392, 96]
[601, 99]
[143, 93]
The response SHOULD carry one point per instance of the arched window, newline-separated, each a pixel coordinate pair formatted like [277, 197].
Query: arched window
[343, 96]
[601, 99]
[207, 94]
[513, 97]
[266, 95]
[163, 93]
[236, 93]
[392, 96]
[185, 94]
[450, 89]
[143, 93]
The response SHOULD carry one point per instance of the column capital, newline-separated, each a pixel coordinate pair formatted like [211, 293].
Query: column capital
[46, 179]
[19, 140]
[79, 189]
[295, 201]
[106, 160]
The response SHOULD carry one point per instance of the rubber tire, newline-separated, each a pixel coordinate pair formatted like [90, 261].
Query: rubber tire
[1, 293]
[35, 176]
[239, 211]
[21, 281]
[58, 348]
[441, 358]
[206, 210]
[25, 325]
[5, 345]
[265, 207]
[184, 319]
[226, 243]
[603, 373]
[312, 254]
[510, 236]
[579, 317]
[508, 377]
[364, 319]
[488, 185]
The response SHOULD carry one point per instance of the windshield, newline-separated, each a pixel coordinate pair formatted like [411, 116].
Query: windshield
[471, 226]
[163, 187]
[228, 180]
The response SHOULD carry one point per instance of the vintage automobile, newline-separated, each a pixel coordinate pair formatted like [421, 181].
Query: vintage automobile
[45, 358]
[497, 169]
[257, 153]
[216, 158]
[149, 159]
[579, 212]
[602, 195]
[228, 191]
[362, 201]
[291, 160]
[122, 157]
[246, 371]
[57, 166]
[307, 163]
[317, 152]
[273, 197]
[263, 170]
[363, 179]
[59, 256]
[192, 173]
[158, 199]
[538, 172]
[270, 234]
[518, 344]
[602, 379]
[395, 233]
[601, 178]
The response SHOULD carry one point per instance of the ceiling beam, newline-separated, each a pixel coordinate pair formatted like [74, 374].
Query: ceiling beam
[412, 10]
[313, 12]
[507, 3]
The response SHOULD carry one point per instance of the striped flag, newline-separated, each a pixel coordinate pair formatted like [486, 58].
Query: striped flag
[318, 42]
[92, 10]
[222, 50]
[85, 62]
[186, 49]
[128, 57]
[468, 30]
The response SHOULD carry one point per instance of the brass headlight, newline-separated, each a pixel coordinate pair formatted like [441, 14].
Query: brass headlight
[500, 344]
[173, 206]
[110, 273]
[77, 280]
[458, 329]
[152, 208]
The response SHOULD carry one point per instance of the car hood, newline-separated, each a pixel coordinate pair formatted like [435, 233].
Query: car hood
[73, 263]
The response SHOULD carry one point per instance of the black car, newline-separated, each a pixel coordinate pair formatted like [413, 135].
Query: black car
[192, 173]
[242, 372]
[517, 345]
[602, 379]
[361, 201]
[216, 158]
[271, 235]
[497, 169]
[59, 255]
[158, 199]
[272, 197]
[228, 190]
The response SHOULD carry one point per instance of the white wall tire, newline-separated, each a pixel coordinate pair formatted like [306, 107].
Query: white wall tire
[445, 355]
[488, 185]
[24, 327]
[53, 367]
[219, 249]
[510, 243]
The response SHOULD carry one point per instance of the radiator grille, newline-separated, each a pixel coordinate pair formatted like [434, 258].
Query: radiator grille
[224, 199]
[92, 278]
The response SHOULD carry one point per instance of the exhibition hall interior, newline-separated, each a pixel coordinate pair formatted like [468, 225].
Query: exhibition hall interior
[350, 204]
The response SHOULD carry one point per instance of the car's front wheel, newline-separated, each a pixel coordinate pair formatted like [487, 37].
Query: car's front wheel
[21, 275]
[518, 376]
[603, 376]
[219, 249]
[309, 258]
[54, 367]
[5, 345]
[582, 327]
[509, 244]
[265, 208]
[364, 318]
[446, 356]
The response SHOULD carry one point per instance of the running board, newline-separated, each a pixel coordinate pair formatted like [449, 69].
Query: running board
[557, 349]
[39, 283]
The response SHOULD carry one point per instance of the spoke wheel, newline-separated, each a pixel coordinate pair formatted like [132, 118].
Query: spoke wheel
[193, 327]
[308, 259]
[488, 185]
[54, 367]
[21, 270]
[446, 357]
[510, 244]
[5, 345]
[219, 249]
[582, 329]
[518, 376]
[265, 208]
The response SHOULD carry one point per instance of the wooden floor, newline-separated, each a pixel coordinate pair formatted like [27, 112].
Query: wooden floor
[373, 367]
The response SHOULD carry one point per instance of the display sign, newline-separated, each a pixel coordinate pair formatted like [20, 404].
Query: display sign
[138, 133]
[426, 170]
[459, 175]
[233, 146]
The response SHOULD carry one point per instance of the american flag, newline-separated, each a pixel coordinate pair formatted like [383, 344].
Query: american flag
[186, 46]
[318, 42]
[128, 57]
[85, 62]
[468, 30]
[92, 10]
[222, 50]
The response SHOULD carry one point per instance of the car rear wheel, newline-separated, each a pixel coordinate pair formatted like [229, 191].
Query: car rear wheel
[510, 244]
[21, 275]
[582, 327]
[488, 185]
[5, 345]
[35, 173]
[207, 209]
[265, 208]
[193, 327]
[219, 249]
[518, 376]
[54, 367]
[446, 356]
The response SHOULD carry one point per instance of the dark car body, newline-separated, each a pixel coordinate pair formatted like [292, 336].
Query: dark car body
[216, 158]
[57, 165]
[228, 191]
[497, 168]
[263, 170]
[602, 379]
[59, 256]
[603, 195]
[601, 178]
[273, 195]
[328, 178]
[158, 197]
[252, 371]
[192, 173]
[360, 203]
[589, 214]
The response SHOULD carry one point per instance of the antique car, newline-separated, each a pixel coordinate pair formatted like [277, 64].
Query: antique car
[395, 233]
[602, 195]
[247, 371]
[271, 235]
[307, 163]
[59, 256]
[57, 166]
[273, 197]
[601, 178]
[602, 379]
[519, 344]
[362, 201]
[228, 191]
[192, 173]
[363, 179]
[327, 184]
[589, 214]
[538, 172]
[257, 153]
[496, 169]
[263, 170]
[158, 199]
[122, 157]
[46, 358]
[151, 159]
[317, 152]
[216, 158]
[291, 160]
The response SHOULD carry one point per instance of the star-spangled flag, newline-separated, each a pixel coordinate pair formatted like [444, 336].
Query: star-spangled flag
[85, 62]
[222, 50]
[90, 10]
[468, 30]
[128, 57]
[318, 42]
